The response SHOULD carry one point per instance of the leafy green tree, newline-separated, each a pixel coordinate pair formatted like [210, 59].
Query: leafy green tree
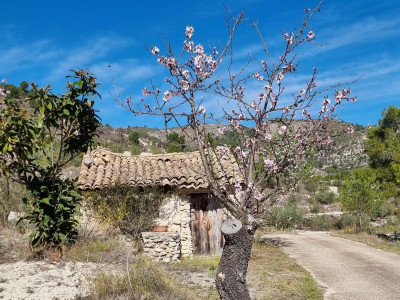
[37, 142]
[176, 143]
[383, 148]
[134, 138]
[360, 193]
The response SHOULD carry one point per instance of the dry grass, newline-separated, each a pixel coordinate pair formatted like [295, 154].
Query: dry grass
[369, 239]
[274, 275]
[13, 245]
[145, 280]
[100, 250]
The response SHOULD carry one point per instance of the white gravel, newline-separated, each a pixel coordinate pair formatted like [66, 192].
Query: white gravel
[44, 280]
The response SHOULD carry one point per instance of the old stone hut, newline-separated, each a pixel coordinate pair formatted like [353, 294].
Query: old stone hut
[193, 215]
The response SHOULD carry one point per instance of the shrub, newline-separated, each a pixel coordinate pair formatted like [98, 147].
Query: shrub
[322, 222]
[311, 186]
[384, 210]
[360, 193]
[394, 221]
[133, 210]
[325, 197]
[315, 208]
[53, 212]
[293, 198]
[285, 217]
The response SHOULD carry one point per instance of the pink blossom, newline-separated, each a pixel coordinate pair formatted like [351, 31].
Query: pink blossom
[279, 77]
[268, 137]
[282, 130]
[254, 105]
[155, 50]
[185, 74]
[198, 61]
[4, 80]
[146, 92]
[310, 35]
[235, 124]
[238, 186]
[189, 31]
[167, 96]
[258, 76]
[289, 38]
[215, 52]
[269, 164]
[221, 130]
[302, 92]
[171, 63]
[350, 130]
[286, 109]
[261, 96]
[267, 88]
[189, 46]
[202, 109]
[185, 84]
[162, 60]
[257, 195]
[199, 49]
[328, 140]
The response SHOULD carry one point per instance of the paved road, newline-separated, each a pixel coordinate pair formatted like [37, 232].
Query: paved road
[345, 269]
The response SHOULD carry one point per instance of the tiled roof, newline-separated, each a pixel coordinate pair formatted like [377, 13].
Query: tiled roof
[102, 168]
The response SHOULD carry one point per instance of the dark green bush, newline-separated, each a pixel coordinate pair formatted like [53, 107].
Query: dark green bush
[52, 212]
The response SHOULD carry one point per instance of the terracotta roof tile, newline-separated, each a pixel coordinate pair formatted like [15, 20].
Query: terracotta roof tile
[102, 168]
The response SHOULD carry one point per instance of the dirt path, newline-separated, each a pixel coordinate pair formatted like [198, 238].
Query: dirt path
[344, 269]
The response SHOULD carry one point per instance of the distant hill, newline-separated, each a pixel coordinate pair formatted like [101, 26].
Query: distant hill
[347, 151]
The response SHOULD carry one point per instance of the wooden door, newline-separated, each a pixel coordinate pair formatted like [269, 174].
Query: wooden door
[207, 216]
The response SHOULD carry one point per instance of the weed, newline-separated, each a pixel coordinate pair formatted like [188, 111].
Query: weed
[145, 280]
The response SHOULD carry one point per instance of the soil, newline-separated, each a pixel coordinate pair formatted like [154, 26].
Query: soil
[46, 280]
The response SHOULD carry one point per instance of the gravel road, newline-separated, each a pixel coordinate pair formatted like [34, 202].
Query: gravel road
[344, 269]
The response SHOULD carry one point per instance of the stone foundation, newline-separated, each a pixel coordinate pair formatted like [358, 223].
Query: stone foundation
[163, 246]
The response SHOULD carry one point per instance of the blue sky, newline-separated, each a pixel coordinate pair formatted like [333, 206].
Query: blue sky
[42, 40]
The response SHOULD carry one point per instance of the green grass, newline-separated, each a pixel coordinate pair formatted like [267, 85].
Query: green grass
[201, 263]
[370, 240]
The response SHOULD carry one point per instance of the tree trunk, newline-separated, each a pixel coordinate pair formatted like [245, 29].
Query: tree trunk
[232, 269]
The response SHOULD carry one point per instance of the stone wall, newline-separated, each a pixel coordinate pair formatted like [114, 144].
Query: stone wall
[185, 230]
[175, 212]
[163, 246]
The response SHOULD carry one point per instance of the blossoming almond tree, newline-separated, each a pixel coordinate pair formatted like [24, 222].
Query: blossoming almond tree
[275, 135]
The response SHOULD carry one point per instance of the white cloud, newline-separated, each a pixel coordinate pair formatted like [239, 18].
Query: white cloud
[85, 55]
